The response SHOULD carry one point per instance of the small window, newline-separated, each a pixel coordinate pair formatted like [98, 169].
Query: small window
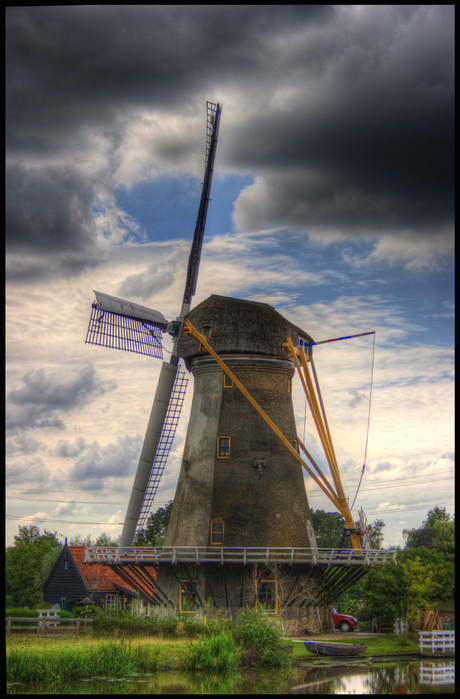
[187, 597]
[217, 533]
[267, 596]
[207, 333]
[228, 382]
[223, 447]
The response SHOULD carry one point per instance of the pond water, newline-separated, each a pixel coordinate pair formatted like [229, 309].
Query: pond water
[314, 677]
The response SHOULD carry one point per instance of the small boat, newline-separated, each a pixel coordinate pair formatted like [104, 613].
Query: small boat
[334, 649]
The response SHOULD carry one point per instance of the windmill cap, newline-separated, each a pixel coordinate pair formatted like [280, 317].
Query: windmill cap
[239, 326]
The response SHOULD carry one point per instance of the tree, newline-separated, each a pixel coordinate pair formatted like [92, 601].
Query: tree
[41, 576]
[329, 528]
[437, 533]
[80, 540]
[417, 578]
[105, 539]
[376, 533]
[155, 531]
[421, 576]
[23, 562]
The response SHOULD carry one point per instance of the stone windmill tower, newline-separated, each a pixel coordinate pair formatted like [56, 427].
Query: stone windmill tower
[239, 487]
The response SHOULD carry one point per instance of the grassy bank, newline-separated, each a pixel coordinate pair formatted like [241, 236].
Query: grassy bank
[252, 641]
[30, 658]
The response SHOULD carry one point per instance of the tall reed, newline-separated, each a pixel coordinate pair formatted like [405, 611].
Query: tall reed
[110, 659]
[215, 653]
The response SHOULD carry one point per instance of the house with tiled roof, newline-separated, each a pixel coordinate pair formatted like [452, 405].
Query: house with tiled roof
[71, 580]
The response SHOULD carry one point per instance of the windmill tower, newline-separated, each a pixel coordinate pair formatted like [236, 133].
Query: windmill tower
[240, 531]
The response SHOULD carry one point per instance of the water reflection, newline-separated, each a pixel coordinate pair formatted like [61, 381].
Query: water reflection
[318, 677]
[367, 678]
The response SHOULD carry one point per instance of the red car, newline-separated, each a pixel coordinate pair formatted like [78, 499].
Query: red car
[344, 622]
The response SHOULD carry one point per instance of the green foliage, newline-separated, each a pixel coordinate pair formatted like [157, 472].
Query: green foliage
[329, 528]
[215, 653]
[437, 514]
[437, 533]
[421, 576]
[376, 533]
[418, 578]
[103, 539]
[23, 562]
[78, 612]
[159, 624]
[260, 639]
[155, 531]
[20, 613]
[347, 604]
[46, 566]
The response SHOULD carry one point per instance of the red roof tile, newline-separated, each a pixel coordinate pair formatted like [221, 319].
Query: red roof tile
[106, 576]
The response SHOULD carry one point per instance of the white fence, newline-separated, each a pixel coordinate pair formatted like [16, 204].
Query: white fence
[432, 641]
[223, 555]
[58, 627]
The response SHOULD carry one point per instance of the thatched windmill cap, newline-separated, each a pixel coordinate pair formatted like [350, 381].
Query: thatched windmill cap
[239, 326]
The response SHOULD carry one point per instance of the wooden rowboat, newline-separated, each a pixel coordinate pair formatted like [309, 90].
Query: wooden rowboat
[334, 649]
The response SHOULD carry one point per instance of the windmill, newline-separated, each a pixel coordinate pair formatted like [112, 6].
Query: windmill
[240, 530]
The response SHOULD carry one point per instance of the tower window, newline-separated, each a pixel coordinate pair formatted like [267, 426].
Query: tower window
[207, 333]
[217, 532]
[228, 382]
[267, 596]
[187, 596]
[223, 447]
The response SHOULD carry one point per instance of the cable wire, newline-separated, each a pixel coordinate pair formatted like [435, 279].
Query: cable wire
[368, 423]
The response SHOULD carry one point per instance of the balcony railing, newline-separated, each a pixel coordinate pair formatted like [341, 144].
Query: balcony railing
[222, 555]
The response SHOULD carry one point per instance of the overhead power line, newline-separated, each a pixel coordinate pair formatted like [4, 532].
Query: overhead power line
[62, 521]
[382, 485]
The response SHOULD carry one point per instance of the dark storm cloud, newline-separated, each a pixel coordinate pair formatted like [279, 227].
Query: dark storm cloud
[45, 396]
[345, 112]
[49, 207]
[72, 66]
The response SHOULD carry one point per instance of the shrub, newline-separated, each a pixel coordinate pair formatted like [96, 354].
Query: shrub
[260, 639]
[159, 624]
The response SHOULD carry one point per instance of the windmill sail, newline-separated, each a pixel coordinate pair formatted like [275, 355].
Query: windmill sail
[149, 450]
[212, 130]
[126, 326]
[171, 386]
[167, 435]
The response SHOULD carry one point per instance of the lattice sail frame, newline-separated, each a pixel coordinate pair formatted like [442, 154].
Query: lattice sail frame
[164, 447]
[124, 333]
